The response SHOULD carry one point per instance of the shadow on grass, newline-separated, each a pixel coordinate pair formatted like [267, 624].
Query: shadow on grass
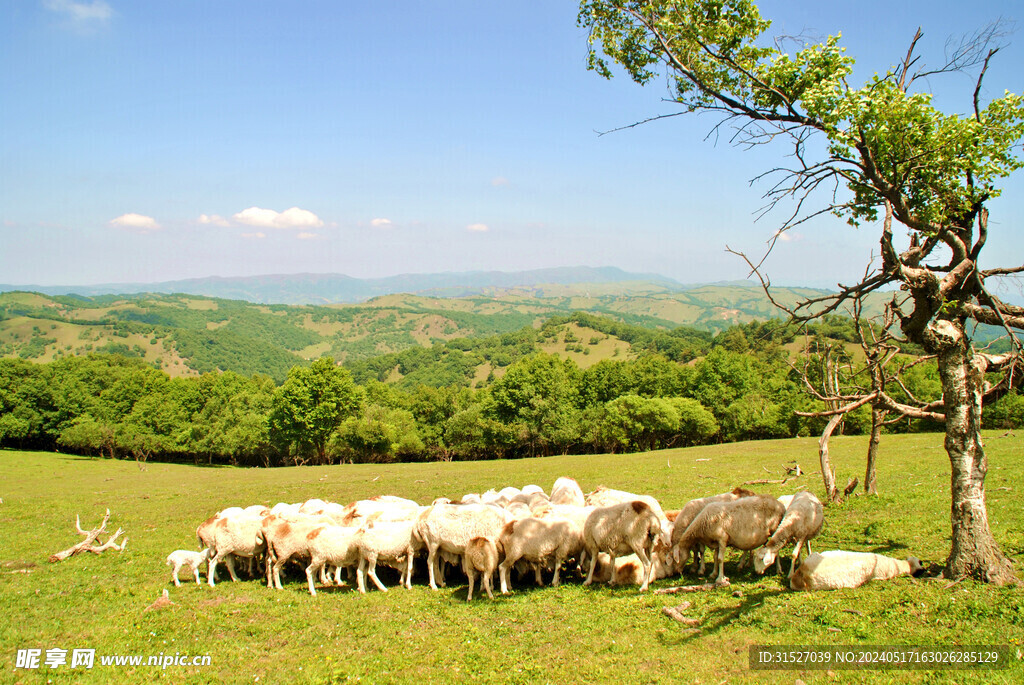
[888, 547]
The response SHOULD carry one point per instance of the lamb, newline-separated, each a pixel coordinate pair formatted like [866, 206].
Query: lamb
[480, 555]
[802, 521]
[449, 527]
[331, 544]
[186, 557]
[621, 528]
[689, 512]
[745, 524]
[539, 541]
[567, 491]
[839, 569]
[390, 542]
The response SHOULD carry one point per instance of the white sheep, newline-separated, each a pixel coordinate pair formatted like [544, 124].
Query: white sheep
[629, 570]
[840, 569]
[802, 522]
[540, 541]
[389, 542]
[532, 490]
[448, 527]
[332, 544]
[744, 524]
[620, 529]
[284, 538]
[379, 508]
[187, 557]
[689, 512]
[567, 491]
[603, 497]
[231, 537]
[480, 556]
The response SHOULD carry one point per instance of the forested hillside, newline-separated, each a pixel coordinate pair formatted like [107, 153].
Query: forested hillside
[409, 378]
[188, 335]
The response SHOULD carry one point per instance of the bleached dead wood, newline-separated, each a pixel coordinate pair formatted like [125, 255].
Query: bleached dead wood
[87, 545]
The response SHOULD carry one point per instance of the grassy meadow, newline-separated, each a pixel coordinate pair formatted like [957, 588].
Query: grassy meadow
[569, 634]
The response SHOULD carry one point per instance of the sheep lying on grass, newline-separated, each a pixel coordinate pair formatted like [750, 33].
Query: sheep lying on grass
[186, 557]
[840, 569]
[745, 524]
[620, 529]
[480, 556]
[802, 521]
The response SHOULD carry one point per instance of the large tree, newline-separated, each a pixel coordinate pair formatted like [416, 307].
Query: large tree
[882, 149]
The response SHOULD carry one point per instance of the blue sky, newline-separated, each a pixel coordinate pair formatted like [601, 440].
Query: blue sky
[158, 140]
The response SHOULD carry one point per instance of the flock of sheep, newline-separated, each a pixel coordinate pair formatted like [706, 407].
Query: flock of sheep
[614, 536]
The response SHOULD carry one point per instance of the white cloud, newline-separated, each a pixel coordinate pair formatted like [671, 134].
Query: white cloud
[305, 235]
[381, 223]
[97, 10]
[268, 218]
[478, 228]
[784, 236]
[213, 219]
[259, 235]
[499, 181]
[137, 223]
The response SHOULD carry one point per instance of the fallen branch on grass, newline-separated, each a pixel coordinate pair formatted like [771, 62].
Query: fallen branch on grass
[690, 588]
[675, 613]
[87, 545]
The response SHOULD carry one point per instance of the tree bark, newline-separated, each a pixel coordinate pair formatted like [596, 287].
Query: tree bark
[877, 419]
[974, 551]
[828, 475]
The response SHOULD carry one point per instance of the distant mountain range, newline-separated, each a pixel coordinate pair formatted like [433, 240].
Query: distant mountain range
[339, 288]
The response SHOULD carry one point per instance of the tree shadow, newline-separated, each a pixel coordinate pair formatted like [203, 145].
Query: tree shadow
[719, 618]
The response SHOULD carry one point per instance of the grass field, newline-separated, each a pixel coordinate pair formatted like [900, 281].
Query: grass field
[568, 634]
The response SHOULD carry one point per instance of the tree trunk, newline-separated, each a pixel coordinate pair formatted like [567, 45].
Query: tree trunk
[828, 475]
[877, 418]
[974, 551]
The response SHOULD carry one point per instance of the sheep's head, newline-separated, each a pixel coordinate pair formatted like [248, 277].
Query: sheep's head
[763, 558]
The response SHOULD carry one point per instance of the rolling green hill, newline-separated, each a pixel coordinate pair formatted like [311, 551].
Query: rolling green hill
[188, 334]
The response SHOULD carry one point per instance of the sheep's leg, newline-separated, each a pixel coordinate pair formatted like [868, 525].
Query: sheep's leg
[174, 575]
[536, 575]
[432, 565]
[558, 565]
[211, 569]
[361, 576]
[408, 571]
[310, 573]
[647, 562]
[195, 570]
[611, 565]
[323, 575]
[229, 561]
[503, 575]
[796, 555]
[472, 577]
[487, 586]
[593, 565]
[373, 574]
[720, 563]
[278, 565]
